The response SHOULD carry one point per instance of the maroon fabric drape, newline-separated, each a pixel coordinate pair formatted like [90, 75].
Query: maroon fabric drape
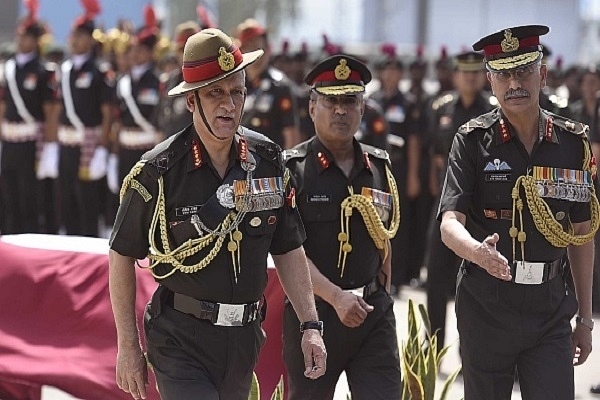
[57, 328]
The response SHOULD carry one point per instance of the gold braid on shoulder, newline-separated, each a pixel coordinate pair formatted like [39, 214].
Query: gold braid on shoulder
[377, 230]
[542, 215]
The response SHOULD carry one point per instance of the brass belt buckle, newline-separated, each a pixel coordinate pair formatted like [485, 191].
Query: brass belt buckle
[529, 273]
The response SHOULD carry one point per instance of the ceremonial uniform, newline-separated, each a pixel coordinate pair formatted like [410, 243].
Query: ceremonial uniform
[138, 120]
[517, 319]
[403, 120]
[208, 246]
[89, 87]
[270, 106]
[26, 88]
[363, 201]
[160, 193]
[173, 113]
[442, 264]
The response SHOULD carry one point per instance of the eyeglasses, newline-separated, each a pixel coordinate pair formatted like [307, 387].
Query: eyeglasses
[342, 101]
[519, 74]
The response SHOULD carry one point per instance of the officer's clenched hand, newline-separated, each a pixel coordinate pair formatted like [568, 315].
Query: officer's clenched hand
[351, 309]
[315, 355]
[132, 372]
[582, 344]
[487, 257]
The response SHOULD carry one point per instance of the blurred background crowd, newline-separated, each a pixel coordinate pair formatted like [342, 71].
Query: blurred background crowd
[427, 83]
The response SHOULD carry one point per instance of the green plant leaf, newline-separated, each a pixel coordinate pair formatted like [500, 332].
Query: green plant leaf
[412, 382]
[254, 389]
[425, 319]
[448, 383]
[278, 393]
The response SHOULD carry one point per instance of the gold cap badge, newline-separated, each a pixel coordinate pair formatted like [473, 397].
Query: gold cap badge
[342, 70]
[509, 43]
[226, 60]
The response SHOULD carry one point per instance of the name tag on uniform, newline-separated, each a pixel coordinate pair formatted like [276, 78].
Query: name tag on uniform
[497, 177]
[186, 210]
[318, 198]
[529, 273]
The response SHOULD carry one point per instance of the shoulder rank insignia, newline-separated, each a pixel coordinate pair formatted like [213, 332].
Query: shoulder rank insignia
[482, 122]
[442, 101]
[571, 126]
[376, 152]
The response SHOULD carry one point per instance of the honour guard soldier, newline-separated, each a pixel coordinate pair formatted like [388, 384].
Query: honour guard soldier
[449, 111]
[343, 183]
[86, 88]
[173, 114]
[206, 206]
[271, 107]
[28, 116]
[518, 196]
[138, 95]
[404, 146]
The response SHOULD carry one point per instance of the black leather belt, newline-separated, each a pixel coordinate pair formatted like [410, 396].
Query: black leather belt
[217, 313]
[550, 269]
[546, 271]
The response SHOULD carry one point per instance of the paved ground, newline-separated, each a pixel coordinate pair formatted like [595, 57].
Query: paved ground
[585, 375]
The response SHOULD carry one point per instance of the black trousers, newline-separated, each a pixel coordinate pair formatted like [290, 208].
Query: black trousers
[368, 354]
[19, 187]
[503, 326]
[81, 202]
[442, 269]
[193, 359]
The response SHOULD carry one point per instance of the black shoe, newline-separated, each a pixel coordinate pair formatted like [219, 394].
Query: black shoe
[595, 389]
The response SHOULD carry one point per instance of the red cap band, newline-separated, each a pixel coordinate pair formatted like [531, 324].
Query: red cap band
[329, 76]
[198, 71]
[493, 49]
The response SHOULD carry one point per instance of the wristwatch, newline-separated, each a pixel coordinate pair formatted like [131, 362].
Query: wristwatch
[318, 325]
[585, 322]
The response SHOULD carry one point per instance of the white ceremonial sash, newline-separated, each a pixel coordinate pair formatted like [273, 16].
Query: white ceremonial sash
[10, 68]
[124, 88]
[66, 68]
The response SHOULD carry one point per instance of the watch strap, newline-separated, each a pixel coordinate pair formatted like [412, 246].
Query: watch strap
[585, 322]
[318, 325]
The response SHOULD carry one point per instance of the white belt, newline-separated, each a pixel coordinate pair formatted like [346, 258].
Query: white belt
[135, 139]
[70, 136]
[19, 131]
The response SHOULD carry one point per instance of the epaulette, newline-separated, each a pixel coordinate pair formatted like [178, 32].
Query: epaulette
[163, 155]
[482, 122]
[296, 152]
[574, 127]
[375, 151]
[442, 101]
[263, 146]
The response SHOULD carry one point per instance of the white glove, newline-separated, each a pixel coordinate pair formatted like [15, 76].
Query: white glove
[112, 174]
[98, 163]
[48, 164]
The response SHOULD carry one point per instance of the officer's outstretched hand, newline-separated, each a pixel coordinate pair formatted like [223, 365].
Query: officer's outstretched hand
[351, 309]
[132, 371]
[315, 355]
[582, 344]
[487, 257]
